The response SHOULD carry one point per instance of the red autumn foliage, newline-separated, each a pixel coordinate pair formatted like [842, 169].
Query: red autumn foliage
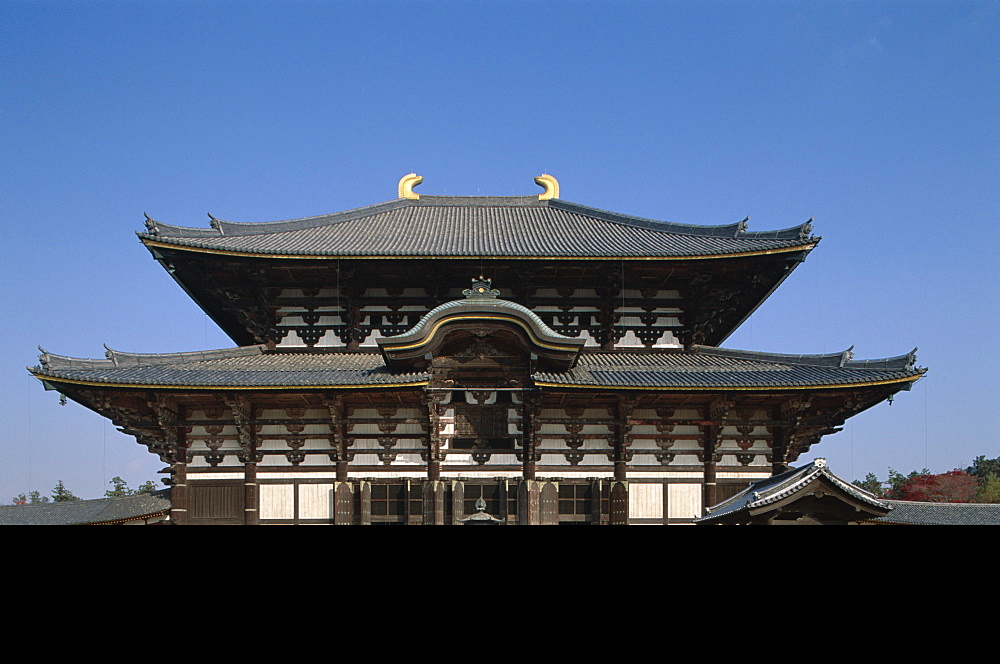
[955, 486]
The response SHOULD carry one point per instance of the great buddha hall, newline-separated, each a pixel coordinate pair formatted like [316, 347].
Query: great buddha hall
[457, 360]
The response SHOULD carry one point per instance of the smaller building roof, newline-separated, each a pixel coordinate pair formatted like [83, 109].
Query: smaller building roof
[759, 495]
[783, 488]
[88, 512]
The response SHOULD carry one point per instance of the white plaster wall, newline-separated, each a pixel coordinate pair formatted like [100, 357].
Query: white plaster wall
[684, 501]
[645, 501]
[277, 501]
[316, 501]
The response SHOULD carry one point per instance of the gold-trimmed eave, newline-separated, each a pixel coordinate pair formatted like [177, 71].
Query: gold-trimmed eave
[760, 388]
[809, 246]
[260, 388]
[509, 319]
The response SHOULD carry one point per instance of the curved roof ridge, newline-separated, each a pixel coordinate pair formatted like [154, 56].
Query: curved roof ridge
[474, 302]
[843, 359]
[222, 227]
[905, 361]
[824, 359]
[724, 230]
[122, 358]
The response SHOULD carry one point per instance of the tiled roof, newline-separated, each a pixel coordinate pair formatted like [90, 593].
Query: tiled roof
[940, 514]
[450, 226]
[707, 367]
[80, 512]
[249, 366]
[255, 366]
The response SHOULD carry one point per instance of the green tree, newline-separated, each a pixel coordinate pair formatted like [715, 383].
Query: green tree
[982, 467]
[872, 484]
[148, 487]
[899, 482]
[120, 488]
[989, 492]
[61, 494]
[32, 498]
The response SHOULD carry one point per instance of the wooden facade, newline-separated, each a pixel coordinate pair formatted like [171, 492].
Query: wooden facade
[372, 385]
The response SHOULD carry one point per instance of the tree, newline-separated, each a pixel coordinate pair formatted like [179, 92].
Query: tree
[61, 494]
[32, 498]
[120, 488]
[898, 483]
[982, 468]
[872, 484]
[955, 486]
[148, 487]
[989, 491]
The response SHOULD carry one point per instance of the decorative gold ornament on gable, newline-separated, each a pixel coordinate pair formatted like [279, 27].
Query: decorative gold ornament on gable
[406, 185]
[551, 187]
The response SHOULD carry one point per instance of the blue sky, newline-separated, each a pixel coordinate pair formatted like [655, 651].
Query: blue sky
[878, 119]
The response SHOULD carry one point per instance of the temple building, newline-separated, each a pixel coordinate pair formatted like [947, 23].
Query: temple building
[488, 360]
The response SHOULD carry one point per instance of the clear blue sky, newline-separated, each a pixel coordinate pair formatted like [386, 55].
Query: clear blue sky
[879, 119]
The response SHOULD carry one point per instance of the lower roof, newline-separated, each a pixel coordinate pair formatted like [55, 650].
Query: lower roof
[81, 512]
[703, 368]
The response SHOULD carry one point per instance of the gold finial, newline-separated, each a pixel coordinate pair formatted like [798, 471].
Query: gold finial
[551, 187]
[406, 185]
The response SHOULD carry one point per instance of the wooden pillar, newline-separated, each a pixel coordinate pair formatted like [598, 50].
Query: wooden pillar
[716, 415]
[251, 495]
[431, 401]
[343, 503]
[434, 508]
[179, 491]
[364, 503]
[246, 432]
[711, 485]
[620, 440]
[529, 503]
[338, 436]
[530, 409]
[457, 502]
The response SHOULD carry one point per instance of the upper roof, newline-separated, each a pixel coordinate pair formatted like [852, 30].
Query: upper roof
[476, 226]
[80, 512]
[671, 369]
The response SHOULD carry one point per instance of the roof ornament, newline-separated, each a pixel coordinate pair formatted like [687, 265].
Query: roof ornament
[551, 186]
[807, 229]
[150, 224]
[481, 289]
[406, 185]
[214, 223]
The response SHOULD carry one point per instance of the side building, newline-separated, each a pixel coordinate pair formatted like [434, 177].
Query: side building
[402, 362]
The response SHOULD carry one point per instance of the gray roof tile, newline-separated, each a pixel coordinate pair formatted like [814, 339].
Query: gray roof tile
[447, 226]
[79, 512]
[255, 366]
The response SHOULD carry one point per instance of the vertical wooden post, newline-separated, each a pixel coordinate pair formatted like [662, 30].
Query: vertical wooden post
[343, 503]
[434, 507]
[251, 495]
[179, 491]
[529, 428]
